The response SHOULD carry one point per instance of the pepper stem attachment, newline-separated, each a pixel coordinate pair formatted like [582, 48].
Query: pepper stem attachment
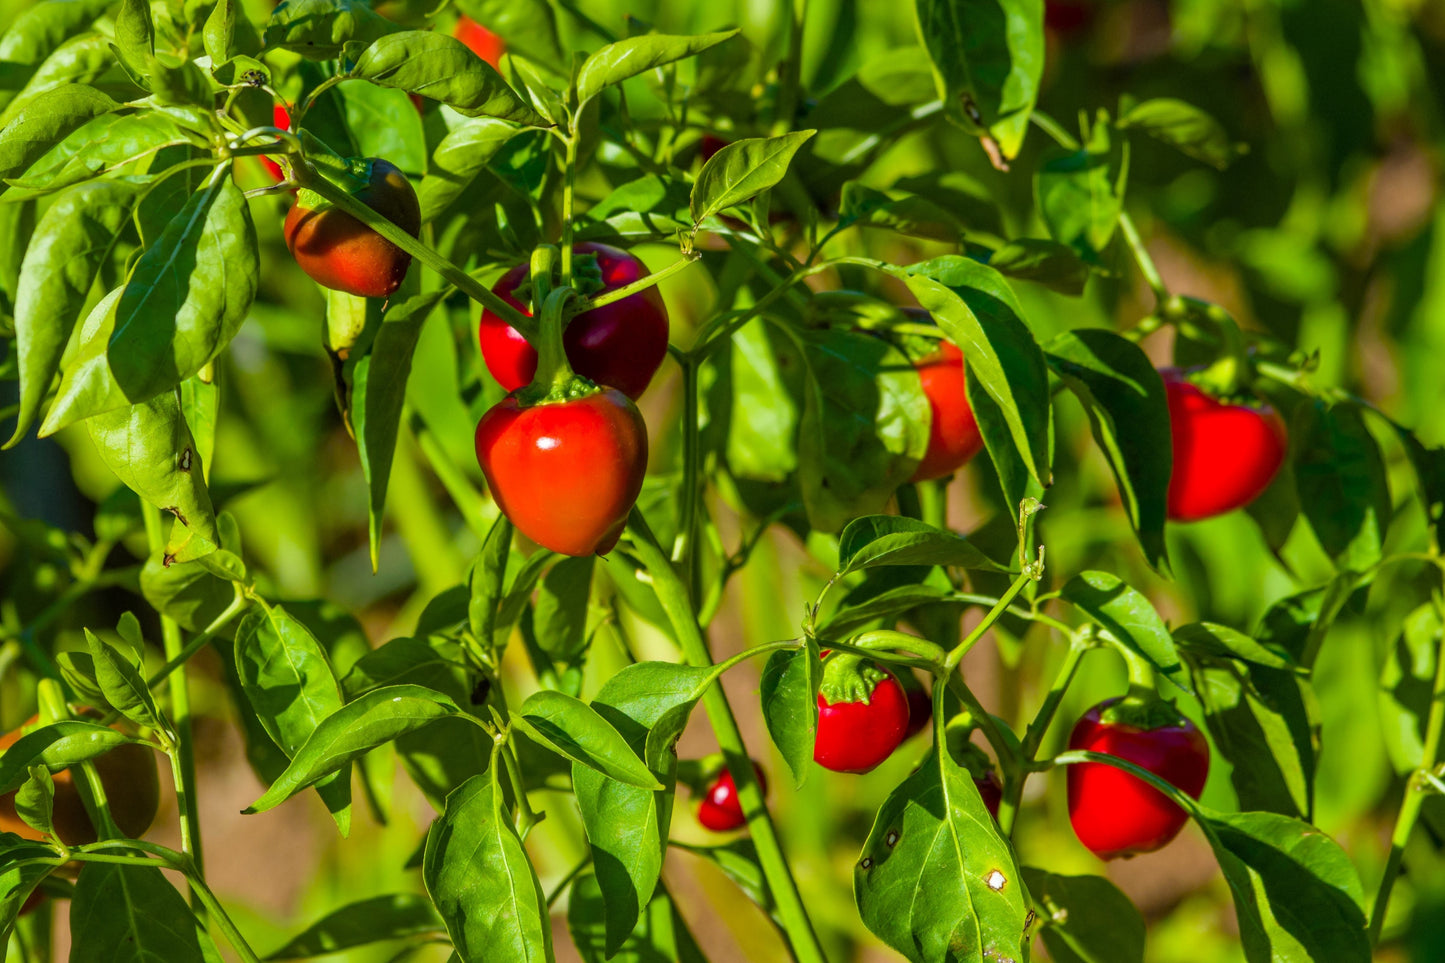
[554, 375]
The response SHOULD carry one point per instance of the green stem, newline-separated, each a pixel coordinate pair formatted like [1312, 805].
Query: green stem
[1034, 736]
[790, 69]
[1141, 255]
[222, 919]
[673, 595]
[1054, 129]
[605, 298]
[683, 553]
[183, 758]
[237, 606]
[1003, 748]
[554, 372]
[933, 500]
[464, 282]
[993, 615]
[525, 816]
[1414, 798]
[569, 177]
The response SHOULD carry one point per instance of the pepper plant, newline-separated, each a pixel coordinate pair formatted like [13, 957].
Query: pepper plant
[451, 423]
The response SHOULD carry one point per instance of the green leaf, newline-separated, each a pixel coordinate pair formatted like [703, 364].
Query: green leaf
[408, 661]
[741, 171]
[49, 119]
[738, 861]
[125, 145]
[35, 800]
[1259, 720]
[188, 294]
[482, 883]
[377, 395]
[648, 703]
[1407, 687]
[23, 866]
[80, 60]
[1340, 476]
[1081, 193]
[289, 682]
[988, 56]
[1296, 892]
[1211, 641]
[443, 68]
[457, 161]
[318, 29]
[135, 40]
[150, 449]
[130, 914]
[36, 32]
[935, 881]
[119, 674]
[1185, 128]
[976, 308]
[219, 35]
[762, 414]
[1124, 398]
[575, 730]
[1013, 474]
[872, 605]
[618, 61]
[878, 540]
[910, 214]
[78, 671]
[56, 746]
[1129, 618]
[1049, 263]
[392, 917]
[1086, 919]
[487, 580]
[864, 426]
[661, 935]
[87, 386]
[529, 27]
[73, 240]
[372, 720]
[559, 616]
[789, 697]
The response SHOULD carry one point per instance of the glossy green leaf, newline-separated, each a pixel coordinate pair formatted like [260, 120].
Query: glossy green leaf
[130, 914]
[1049, 263]
[23, 866]
[1086, 919]
[789, 698]
[410, 661]
[528, 27]
[1013, 474]
[1260, 722]
[661, 935]
[618, 61]
[738, 861]
[482, 882]
[35, 800]
[373, 719]
[188, 294]
[648, 703]
[988, 56]
[1296, 892]
[1407, 686]
[185, 591]
[559, 616]
[290, 684]
[50, 118]
[121, 144]
[935, 881]
[1340, 476]
[78, 671]
[1211, 641]
[73, 239]
[1129, 618]
[121, 677]
[909, 214]
[1081, 193]
[443, 68]
[487, 580]
[877, 540]
[978, 311]
[462, 155]
[392, 917]
[56, 746]
[318, 29]
[763, 415]
[1185, 128]
[1129, 417]
[219, 35]
[574, 729]
[35, 32]
[80, 60]
[864, 426]
[135, 39]
[741, 171]
[888, 605]
[150, 449]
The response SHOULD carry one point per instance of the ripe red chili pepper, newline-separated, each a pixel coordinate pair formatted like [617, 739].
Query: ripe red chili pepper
[720, 809]
[282, 119]
[619, 345]
[1225, 455]
[860, 726]
[953, 435]
[340, 252]
[565, 472]
[1117, 814]
[479, 39]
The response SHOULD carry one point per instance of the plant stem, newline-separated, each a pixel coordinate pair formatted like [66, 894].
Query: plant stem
[790, 69]
[468, 285]
[604, 298]
[1001, 606]
[218, 912]
[569, 177]
[1141, 255]
[183, 756]
[1034, 736]
[683, 553]
[1414, 797]
[673, 595]
[237, 606]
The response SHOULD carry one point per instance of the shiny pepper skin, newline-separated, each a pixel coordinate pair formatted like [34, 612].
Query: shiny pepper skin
[1116, 814]
[566, 472]
[1225, 455]
[953, 435]
[857, 736]
[720, 810]
[341, 253]
[620, 345]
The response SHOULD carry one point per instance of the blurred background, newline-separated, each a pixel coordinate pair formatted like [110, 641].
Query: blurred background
[1328, 234]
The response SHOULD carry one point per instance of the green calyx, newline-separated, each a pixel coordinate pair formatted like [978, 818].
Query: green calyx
[850, 678]
[555, 382]
[586, 281]
[1143, 711]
